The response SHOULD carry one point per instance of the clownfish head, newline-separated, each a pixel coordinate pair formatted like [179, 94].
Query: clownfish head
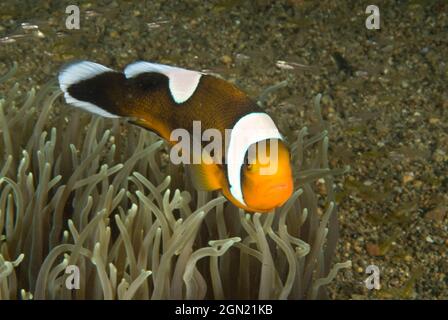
[266, 176]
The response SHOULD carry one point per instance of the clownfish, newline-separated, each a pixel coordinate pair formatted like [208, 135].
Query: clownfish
[163, 98]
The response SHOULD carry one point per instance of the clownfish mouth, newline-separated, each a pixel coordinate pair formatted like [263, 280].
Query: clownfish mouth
[279, 193]
[278, 187]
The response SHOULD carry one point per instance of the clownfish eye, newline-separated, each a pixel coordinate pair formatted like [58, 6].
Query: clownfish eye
[247, 164]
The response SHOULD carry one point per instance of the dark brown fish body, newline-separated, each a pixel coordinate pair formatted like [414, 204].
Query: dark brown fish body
[147, 98]
[163, 99]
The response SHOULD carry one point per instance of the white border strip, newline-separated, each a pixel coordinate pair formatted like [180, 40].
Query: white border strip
[250, 129]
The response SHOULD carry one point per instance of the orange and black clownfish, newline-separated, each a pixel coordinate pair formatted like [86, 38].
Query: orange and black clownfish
[162, 98]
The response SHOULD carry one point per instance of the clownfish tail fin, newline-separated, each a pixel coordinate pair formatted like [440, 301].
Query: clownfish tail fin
[93, 87]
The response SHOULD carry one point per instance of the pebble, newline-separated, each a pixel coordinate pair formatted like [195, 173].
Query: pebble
[227, 60]
[437, 214]
[408, 177]
[373, 249]
[434, 120]
[440, 155]
[401, 93]
[429, 239]
[418, 184]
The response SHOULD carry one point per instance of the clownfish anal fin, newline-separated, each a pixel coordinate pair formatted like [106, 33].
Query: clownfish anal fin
[205, 177]
[153, 126]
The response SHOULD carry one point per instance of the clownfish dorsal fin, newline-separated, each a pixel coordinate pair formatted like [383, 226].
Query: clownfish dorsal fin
[205, 177]
[182, 82]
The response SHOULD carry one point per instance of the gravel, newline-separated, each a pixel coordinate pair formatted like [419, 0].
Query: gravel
[385, 99]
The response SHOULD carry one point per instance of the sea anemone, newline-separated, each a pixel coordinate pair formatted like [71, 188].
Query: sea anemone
[98, 194]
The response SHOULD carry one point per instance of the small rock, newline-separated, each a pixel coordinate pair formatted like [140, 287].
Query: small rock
[408, 177]
[418, 184]
[434, 120]
[227, 60]
[373, 249]
[321, 187]
[437, 214]
[440, 155]
[114, 34]
[429, 239]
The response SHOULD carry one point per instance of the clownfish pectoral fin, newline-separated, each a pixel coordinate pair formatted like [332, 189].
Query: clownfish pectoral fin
[205, 177]
[145, 125]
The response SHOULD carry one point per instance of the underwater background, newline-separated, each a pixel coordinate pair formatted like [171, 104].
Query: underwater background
[384, 111]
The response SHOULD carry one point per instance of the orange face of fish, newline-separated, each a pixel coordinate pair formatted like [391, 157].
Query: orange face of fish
[266, 178]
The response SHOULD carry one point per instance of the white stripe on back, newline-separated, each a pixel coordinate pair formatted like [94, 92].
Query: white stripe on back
[182, 82]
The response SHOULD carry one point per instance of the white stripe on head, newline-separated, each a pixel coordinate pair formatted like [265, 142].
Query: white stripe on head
[182, 82]
[77, 72]
[250, 129]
